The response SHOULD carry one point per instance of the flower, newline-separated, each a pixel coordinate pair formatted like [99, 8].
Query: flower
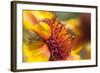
[58, 41]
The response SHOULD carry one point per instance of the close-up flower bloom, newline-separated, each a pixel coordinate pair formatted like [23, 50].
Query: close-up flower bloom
[46, 37]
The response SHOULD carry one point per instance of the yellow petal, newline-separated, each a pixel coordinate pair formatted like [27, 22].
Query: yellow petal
[74, 57]
[35, 55]
[77, 50]
[45, 30]
[74, 24]
[41, 28]
[75, 54]
[28, 20]
[42, 15]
